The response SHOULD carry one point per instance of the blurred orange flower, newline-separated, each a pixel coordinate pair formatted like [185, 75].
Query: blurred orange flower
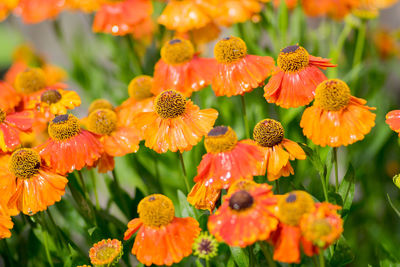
[11, 125]
[9, 98]
[336, 9]
[35, 11]
[393, 120]
[6, 6]
[5, 223]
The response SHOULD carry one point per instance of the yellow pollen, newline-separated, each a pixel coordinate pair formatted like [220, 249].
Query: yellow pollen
[106, 252]
[292, 206]
[230, 49]
[64, 127]
[50, 97]
[177, 51]
[268, 133]
[24, 163]
[170, 104]
[2, 115]
[30, 81]
[241, 184]
[102, 121]
[293, 58]
[140, 87]
[220, 139]
[100, 104]
[156, 210]
[332, 95]
[317, 230]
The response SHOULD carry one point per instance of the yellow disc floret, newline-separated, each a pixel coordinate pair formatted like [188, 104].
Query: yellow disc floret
[106, 252]
[220, 139]
[268, 133]
[2, 115]
[292, 206]
[230, 49]
[156, 210]
[24, 163]
[170, 104]
[316, 231]
[102, 121]
[332, 95]
[100, 104]
[30, 81]
[50, 97]
[241, 200]
[293, 58]
[177, 51]
[64, 127]
[140, 87]
[241, 184]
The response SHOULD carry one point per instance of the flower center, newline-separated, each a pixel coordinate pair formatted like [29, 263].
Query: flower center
[293, 58]
[50, 97]
[318, 229]
[170, 104]
[220, 139]
[268, 133]
[2, 115]
[205, 246]
[105, 252]
[24, 163]
[333, 95]
[64, 127]
[140, 87]
[293, 206]
[156, 210]
[100, 104]
[30, 81]
[177, 51]
[102, 121]
[230, 49]
[241, 200]
[241, 184]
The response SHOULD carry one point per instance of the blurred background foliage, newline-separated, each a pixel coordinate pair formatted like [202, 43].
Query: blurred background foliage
[101, 66]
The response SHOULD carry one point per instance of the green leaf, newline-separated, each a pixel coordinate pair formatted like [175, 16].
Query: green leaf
[185, 209]
[314, 158]
[91, 230]
[239, 256]
[346, 190]
[343, 254]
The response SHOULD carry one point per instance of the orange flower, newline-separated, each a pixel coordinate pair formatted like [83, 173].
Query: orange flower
[176, 124]
[181, 69]
[121, 17]
[393, 120]
[162, 238]
[140, 96]
[37, 187]
[35, 11]
[7, 186]
[11, 125]
[106, 252]
[183, 16]
[230, 12]
[278, 151]
[287, 238]
[226, 161]
[6, 6]
[87, 6]
[336, 9]
[69, 147]
[336, 118]
[237, 72]
[291, 4]
[5, 223]
[117, 136]
[296, 77]
[9, 98]
[369, 9]
[385, 43]
[245, 217]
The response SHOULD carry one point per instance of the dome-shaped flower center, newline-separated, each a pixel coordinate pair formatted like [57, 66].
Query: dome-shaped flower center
[293, 205]
[100, 104]
[333, 95]
[220, 139]
[316, 230]
[156, 210]
[140, 87]
[241, 184]
[205, 246]
[30, 81]
[241, 200]
[2, 115]
[64, 127]
[177, 51]
[105, 252]
[230, 49]
[50, 97]
[102, 121]
[268, 133]
[24, 163]
[170, 104]
[293, 58]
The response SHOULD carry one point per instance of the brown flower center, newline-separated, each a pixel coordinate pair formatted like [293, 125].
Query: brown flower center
[177, 51]
[170, 104]
[293, 206]
[24, 163]
[268, 133]
[50, 97]
[30, 81]
[241, 200]
[156, 210]
[140, 87]
[293, 58]
[333, 95]
[102, 121]
[230, 49]
[64, 127]
[220, 139]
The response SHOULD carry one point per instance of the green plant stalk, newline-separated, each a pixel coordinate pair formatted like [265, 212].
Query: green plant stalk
[277, 186]
[251, 256]
[321, 176]
[95, 189]
[124, 204]
[137, 66]
[334, 55]
[207, 263]
[360, 43]
[336, 169]
[283, 22]
[245, 120]
[45, 238]
[185, 177]
[321, 258]
[267, 254]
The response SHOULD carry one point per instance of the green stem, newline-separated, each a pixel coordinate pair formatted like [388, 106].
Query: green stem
[137, 66]
[207, 263]
[336, 169]
[277, 186]
[125, 206]
[336, 51]
[95, 189]
[267, 254]
[82, 182]
[246, 122]
[184, 172]
[360, 43]
[321, 176]
[46, 243]
[251, 256]
[321, 258]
